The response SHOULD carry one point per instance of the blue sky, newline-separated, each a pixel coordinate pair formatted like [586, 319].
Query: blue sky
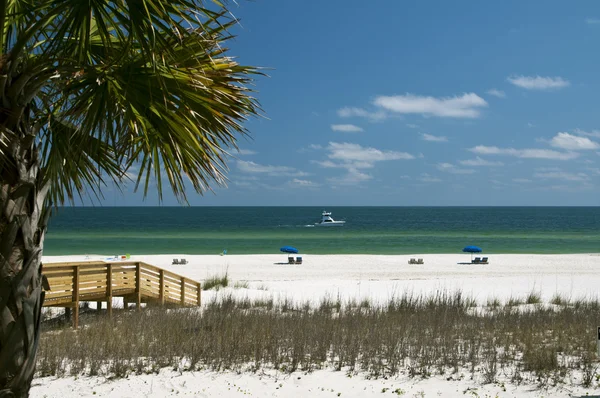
[416, 103]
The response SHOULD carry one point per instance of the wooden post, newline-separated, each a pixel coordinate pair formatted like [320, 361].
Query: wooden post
[199, 287]
[109, 290]
[161, 294]
[76, 296]
[98, 306]
[138, 290]
[182, 290]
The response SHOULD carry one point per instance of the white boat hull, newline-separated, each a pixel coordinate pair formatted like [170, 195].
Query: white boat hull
[331, 224]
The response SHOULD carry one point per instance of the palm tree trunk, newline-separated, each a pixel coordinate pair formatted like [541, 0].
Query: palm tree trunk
[23, 219]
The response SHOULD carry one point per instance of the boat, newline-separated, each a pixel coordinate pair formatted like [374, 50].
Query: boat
[327, 221]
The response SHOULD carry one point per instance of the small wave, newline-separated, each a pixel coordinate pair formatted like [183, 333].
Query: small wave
[308, 226]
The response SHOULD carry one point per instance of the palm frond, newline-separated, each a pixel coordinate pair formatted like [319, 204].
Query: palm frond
[75, 161]
[131, 82]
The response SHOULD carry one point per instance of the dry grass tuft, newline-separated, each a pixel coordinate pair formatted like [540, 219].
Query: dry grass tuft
[216, 282]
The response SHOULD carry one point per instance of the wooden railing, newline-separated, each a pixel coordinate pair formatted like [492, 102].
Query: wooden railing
[136, 282]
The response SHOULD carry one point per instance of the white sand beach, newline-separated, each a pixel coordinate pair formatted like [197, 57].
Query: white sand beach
[380, 277]
[377, 277]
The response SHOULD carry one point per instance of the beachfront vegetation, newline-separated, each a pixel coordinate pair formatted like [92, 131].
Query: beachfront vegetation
[241, 285]
[442, 334]
[97, 92]
[218, 281]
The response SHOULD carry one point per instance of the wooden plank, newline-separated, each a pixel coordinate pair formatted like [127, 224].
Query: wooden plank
[93, 282]
[93, 274]
[58, 303]
[60, 278]
[71, 263]
[68, 298]
[109, 289]
[161, 294]
[92, 270]
[66, 293]
[59, 288]
[138, 290]
[92, 290]
[182, 290]
[152, 277]
[58, 271]
[122, 292]
[76, 296]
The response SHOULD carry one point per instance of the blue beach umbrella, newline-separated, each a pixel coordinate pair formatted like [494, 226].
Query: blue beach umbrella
[289, 249]
[472, 249]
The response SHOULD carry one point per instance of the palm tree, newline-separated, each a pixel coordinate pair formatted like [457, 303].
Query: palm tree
[91, 91]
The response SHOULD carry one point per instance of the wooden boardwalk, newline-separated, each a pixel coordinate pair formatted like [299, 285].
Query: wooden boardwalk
[136, 282]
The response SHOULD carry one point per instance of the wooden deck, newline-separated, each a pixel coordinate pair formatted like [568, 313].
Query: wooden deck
[135, 282]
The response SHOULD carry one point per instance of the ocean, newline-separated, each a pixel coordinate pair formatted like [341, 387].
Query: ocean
[368, 230]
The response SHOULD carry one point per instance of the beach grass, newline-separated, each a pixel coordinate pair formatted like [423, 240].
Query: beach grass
[216, 282]
[419, 336]
[241, 285]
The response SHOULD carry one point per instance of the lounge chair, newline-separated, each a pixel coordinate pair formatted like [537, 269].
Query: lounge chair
[291, 260]
[183, 261]
[412, 261]
[484, 260]
[420, 261]
[298, 260]
[477, 260]
[175, 261]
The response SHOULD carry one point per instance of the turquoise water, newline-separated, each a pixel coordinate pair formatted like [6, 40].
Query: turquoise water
[368, 230]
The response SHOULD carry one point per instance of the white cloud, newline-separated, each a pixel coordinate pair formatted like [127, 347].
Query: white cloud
[593, 133]
[348, 152]
[275, 171]
[310, 148]
[427, 178]
[328, 164]
[352, 177]
[304, 183]
[477, 162]
[450, 168]
[572, 142]
[354, 158]
[346, 128]
[594, 170]
[592, 21]
[465, 106]
[412, 126]
[433, 138]
[522, 180]
[562, 175]
[360, 112]
[243, 184]
[524, 153]
[538, 82]
[246, 152]
[547, 169]
[497, 93]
